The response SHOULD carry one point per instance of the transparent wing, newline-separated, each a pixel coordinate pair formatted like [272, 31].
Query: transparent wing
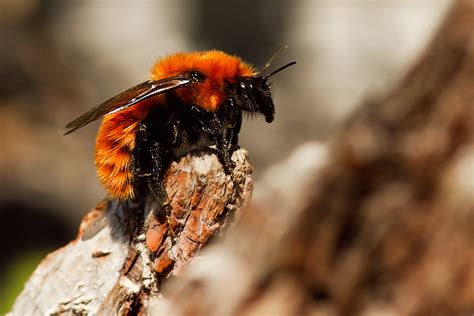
[128, 98]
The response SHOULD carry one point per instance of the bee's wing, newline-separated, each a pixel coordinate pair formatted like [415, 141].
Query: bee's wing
[128, 98]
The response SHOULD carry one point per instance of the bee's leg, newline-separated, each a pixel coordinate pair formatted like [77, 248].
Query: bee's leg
[227, 142]
[152, 159]
[234, 132]
[225, 132]
[224, 153]
[141, 157]
[160, 162]
[156, 181]
[157, 188]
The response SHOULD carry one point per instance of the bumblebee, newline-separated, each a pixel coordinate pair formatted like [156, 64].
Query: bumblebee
[192, 101]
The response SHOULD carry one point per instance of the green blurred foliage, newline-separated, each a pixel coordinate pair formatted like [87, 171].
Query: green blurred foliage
[17, 273]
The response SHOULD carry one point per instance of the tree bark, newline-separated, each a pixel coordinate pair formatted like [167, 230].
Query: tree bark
[124, 250]
[380, 224]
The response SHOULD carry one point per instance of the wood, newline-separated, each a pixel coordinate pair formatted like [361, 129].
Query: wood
[124, 250]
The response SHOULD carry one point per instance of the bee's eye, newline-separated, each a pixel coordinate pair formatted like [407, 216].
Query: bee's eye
[197, 76]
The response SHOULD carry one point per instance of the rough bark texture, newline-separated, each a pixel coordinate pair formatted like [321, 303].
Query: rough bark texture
[380, 224]
[125, 250]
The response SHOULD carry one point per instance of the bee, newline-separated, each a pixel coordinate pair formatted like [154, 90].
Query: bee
[192, 101]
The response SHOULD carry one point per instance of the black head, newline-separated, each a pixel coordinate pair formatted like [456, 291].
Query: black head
[252, 94]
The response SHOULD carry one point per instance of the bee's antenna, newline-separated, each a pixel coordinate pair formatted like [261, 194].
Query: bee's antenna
[270, 61]
[282, 68]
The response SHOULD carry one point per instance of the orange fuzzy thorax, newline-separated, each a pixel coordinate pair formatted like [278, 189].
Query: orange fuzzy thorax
[116, 137]
[218, 68]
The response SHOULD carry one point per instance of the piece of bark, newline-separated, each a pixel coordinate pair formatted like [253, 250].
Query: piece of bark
[386, 228]
[110, 268]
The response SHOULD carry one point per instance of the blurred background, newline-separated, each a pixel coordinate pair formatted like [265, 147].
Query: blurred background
[60, 58]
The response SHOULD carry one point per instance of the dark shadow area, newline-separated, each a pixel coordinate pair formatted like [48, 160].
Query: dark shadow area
[250, 29]
[24, 227]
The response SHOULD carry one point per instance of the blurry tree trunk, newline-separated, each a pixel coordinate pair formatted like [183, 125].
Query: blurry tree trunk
[386, 226]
